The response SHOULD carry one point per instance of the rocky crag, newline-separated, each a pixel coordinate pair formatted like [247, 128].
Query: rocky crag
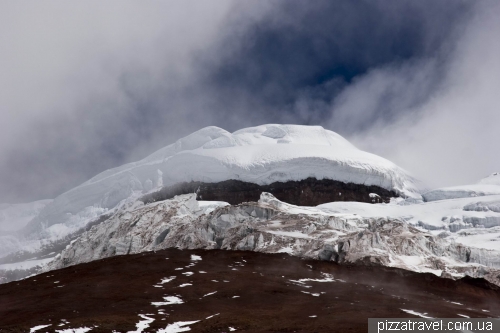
[307, 192]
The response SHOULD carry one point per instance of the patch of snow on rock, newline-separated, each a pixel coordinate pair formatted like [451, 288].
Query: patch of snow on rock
[213, 292]
[39, 327]
[415, 313]
[180, 326]
[168, 300]
[143, 324]
[75, 330]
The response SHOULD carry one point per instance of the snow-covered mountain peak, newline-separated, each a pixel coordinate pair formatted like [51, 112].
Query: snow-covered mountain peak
[260, 155]
[213, 137]
[292, 134]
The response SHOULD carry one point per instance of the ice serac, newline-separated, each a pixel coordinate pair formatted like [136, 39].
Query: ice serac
[260, 155]
[486, 186]
[472, 221]
[133, 230]
[273, 226]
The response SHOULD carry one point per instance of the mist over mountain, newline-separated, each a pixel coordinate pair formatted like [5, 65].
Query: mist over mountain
[389, 76]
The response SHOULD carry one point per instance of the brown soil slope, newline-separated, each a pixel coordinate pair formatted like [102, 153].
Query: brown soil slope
[110, 294]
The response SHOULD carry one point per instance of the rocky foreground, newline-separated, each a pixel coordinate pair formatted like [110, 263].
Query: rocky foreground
[223, 291]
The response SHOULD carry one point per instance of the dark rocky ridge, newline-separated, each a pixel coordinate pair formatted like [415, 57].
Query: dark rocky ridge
[307, 192]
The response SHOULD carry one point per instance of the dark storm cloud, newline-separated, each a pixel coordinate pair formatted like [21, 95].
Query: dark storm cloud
[78, 99]
[300, 54]
[450, 137]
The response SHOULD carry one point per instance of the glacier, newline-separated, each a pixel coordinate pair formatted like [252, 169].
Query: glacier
[272, 226]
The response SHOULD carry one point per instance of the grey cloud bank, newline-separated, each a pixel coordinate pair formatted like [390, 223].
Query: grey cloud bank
[89, 86]
[77, 81]
[451, 137]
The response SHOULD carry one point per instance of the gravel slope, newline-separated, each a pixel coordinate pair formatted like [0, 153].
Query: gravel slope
[117, 294]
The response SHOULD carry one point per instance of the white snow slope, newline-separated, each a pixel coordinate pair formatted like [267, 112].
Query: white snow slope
[493, 179]
[486, 186]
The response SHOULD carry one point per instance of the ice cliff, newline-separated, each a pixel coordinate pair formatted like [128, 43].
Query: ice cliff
[273, 226]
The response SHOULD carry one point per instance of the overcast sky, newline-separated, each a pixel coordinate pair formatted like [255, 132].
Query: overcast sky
[90, 85]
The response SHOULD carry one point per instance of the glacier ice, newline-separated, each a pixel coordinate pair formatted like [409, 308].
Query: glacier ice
[272, 226]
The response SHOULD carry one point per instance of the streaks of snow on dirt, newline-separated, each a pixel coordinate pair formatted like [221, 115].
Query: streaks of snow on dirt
[165, 280]
[313, 294]
[179, 326]
[327, 278]
[209, 294]
[143, 324]
[168, 300]
[75, 330]
[415, 313]
[63, 322]
[212, 316]
[39, 327]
